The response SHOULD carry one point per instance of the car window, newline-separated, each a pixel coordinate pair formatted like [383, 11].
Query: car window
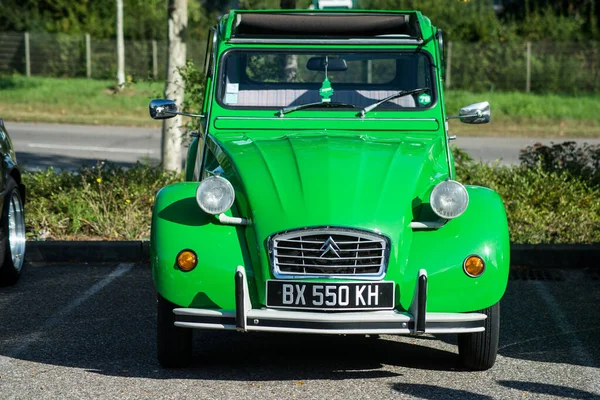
[282, 79]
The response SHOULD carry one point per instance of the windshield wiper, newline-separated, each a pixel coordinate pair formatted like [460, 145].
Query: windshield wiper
[325, 104]
[401, 93]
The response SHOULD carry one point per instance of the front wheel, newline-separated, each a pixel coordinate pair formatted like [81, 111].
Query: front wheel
[174, 344]
[12, 235]
[477, 351]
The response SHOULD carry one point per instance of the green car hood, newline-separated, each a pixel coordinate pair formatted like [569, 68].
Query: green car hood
[307, 180]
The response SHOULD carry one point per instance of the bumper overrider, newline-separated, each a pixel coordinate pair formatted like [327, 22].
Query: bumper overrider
[245, 318]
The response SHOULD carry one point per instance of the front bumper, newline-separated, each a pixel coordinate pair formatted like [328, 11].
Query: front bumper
[245, 318]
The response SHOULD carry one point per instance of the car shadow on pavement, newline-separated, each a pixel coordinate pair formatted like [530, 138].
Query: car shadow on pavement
[536, 389]
[232, 356]
[533, 330]
[48, 318]
[553, 322]
[113, 334]
[421, 391]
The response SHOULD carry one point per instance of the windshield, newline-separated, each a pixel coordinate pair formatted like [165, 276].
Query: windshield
[255, 79]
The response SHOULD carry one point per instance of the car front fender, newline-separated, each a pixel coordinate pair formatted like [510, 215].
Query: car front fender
[482, 230]
[178, 223]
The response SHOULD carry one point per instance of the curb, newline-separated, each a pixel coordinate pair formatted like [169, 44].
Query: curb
[571, 256]
[88, 251]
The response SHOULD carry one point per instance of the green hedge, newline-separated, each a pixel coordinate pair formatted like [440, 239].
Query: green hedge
[108, 202]
[101, 202]
[543, 206]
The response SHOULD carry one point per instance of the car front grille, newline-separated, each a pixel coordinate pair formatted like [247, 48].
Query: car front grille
[330, 252]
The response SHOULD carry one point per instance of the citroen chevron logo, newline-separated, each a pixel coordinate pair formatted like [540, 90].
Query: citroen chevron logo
[330, 246]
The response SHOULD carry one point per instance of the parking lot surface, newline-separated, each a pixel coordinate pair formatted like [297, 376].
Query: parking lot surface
[88, 331]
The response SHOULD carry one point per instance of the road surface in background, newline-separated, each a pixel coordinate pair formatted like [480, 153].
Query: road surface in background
[70, 146]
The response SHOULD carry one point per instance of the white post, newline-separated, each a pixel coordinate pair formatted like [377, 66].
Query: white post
[27, 56]
[120, 46]
[449, 65]
[528, 80]
[88, 56]
[154, 59]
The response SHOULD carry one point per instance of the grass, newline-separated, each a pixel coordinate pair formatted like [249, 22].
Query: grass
[528, 114]
[76, 101]
[83, 101]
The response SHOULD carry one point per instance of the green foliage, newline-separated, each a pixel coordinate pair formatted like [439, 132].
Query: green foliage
[58, 52]
[557, 66]
[546, 24]
[109, 202]
[565, 36]
[471, 20]
[103, 202]
[194, 86]
[270, 4]
[581, 162]
[194, 92]
[461, 20]
[542, 206]
[140, 17]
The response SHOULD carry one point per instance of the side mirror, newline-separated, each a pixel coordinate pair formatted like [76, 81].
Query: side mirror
[478, 113]
[162, 109]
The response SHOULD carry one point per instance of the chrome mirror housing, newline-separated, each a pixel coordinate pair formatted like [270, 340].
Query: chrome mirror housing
[162, 109]
[478, 113]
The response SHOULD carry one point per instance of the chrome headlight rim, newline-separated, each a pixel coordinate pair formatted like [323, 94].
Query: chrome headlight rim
[212, 180]
[436, 192]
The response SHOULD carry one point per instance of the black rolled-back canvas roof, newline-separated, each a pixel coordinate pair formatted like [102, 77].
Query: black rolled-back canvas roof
[326, 25]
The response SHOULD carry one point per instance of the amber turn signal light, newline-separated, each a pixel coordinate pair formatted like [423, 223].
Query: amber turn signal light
[474, 266]
[187, 260]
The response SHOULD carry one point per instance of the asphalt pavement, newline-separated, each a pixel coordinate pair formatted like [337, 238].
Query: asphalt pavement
[40, 145]
[73, 331]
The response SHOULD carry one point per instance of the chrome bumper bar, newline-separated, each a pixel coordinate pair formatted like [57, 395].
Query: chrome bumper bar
[245, 318]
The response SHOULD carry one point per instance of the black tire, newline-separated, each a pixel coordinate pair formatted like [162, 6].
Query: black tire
[174, 344]
[12, 235]
[477, 351]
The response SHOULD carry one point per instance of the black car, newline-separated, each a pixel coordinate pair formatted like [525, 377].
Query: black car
[12, 218]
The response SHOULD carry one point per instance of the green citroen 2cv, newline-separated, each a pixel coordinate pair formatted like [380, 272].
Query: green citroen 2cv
[320, 195]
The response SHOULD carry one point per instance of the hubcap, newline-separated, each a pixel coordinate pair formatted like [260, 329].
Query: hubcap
[16, 230]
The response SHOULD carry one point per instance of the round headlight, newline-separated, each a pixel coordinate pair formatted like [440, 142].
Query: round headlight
[215, 195]
[449, 199]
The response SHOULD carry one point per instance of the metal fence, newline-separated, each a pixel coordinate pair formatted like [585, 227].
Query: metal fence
[566, 67]
[63, 55]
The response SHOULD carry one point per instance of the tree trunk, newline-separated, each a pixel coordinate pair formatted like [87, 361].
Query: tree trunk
[174, 88]
[120, 47]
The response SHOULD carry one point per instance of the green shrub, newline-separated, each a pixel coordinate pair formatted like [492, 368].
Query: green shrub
[579, 161]
[102, 202]
[542, 206]
[194, 92]
[111, 203]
